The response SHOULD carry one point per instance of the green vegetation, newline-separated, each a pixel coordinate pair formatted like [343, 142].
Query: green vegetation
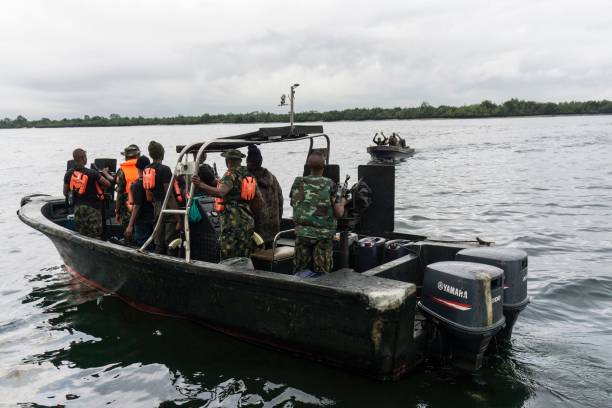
[485, 109]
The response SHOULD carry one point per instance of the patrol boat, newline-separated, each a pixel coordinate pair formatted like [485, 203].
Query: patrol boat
[390, 153]
[393, 300]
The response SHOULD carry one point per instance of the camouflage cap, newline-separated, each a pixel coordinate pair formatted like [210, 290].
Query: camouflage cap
[131, 150]
[233, 154]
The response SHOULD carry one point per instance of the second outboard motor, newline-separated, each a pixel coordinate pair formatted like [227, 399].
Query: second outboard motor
[463, 303]
[396, 248]
[514, 264]
[368, 253]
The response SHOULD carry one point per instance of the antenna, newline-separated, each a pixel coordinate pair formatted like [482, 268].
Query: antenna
[283, 102]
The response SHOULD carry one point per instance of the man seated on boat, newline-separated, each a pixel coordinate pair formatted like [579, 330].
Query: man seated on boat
[380, 140]
[235, 193]
[140, 225]
[268, 216]
[156, 179]
[315, 209]
[84, 189]
[126, 175]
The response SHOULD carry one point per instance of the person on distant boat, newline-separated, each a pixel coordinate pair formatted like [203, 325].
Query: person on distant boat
[156, 178]
[84, 189]
[126, 175]
[315, 210]
[268, 216]
[235, 193]
[393, 140]
[140, 225]
[402, 141]
[380, 140]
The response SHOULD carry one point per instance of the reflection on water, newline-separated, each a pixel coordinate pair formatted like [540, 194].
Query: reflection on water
[541, 184]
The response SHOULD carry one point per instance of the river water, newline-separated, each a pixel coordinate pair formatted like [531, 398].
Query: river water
[541, 184]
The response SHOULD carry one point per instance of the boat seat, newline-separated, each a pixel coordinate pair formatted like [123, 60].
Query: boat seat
[275, 259]
[279, 254]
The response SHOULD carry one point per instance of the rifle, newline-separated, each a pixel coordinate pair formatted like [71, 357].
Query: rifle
[343, 190]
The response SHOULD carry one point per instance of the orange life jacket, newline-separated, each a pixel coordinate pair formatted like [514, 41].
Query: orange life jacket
[219, 203]
[177, 192]
[78, 184]
[248, 188]
[130, 172]
[149, 175]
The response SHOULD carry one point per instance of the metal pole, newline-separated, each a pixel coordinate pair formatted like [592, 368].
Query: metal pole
[291, 94]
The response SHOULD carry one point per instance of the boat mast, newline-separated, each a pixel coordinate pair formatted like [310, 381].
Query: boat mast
[291, 99]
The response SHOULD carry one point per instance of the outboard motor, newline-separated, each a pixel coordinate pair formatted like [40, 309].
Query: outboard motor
[514, 264]
[463, 303]
[368, 253]
[396, 248]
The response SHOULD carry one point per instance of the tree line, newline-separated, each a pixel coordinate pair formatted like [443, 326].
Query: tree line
[485, 109]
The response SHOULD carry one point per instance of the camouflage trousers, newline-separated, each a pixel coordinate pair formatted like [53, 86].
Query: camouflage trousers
[237, 228]
[313, 254]
[88, 221]
[124, 217]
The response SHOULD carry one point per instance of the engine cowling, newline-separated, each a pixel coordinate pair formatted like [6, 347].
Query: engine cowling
[463, 301]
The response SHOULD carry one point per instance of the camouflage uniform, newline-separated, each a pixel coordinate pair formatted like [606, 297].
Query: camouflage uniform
[236, 220]
[88, 221]
[312, 199]
[122, 199]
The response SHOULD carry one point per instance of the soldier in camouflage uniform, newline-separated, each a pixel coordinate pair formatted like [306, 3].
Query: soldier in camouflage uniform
[237, 223]
[314, 213]
[122, 212]
[88, 200]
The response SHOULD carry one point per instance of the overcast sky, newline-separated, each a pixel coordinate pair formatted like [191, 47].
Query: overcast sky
[71, 58]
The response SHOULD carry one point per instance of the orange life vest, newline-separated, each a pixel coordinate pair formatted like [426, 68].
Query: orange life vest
[248, 188]
[177, 192]
[78, 184]
[219, 203]
[149, 175]
[130, 172]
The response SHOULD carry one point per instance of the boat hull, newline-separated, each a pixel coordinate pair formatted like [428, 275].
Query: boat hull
[390, 153]
[359, 323]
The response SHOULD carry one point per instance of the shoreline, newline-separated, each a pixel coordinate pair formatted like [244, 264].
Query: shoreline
[186, 121]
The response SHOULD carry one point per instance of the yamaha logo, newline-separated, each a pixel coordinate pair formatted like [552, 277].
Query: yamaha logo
[496, 299]
[445, 287]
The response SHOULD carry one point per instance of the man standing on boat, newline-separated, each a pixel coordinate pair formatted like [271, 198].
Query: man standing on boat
[268, 216]
[140, 226]
[126, 175]
[156, 179]
[315, 210]
[234, 192]
[84, 187]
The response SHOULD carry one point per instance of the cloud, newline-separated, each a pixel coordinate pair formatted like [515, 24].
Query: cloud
[70, 58]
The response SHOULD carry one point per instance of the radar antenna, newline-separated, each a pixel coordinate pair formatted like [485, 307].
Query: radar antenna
[291, 99]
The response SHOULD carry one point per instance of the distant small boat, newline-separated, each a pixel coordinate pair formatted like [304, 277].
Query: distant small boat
[390, 153]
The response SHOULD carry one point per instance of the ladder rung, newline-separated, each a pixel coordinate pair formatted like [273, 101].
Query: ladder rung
[167, 211]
